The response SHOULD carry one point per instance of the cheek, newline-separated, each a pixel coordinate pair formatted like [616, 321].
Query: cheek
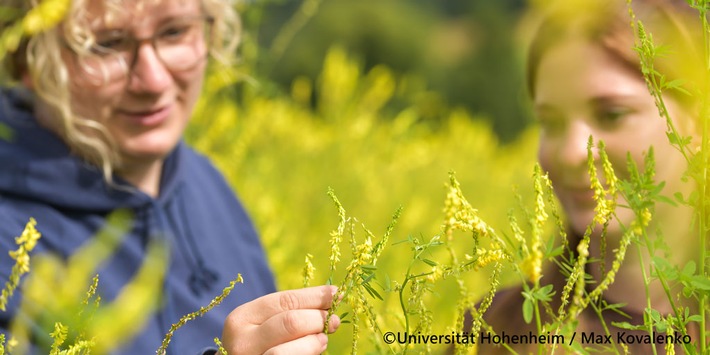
[545, 156]
[636, 145]
[90, 98]
[190, 86]
[92, 102]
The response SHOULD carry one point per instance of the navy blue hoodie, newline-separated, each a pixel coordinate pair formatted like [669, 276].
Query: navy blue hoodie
[210, 236]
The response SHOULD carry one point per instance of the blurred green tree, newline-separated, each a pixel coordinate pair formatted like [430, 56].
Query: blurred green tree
[462, 52]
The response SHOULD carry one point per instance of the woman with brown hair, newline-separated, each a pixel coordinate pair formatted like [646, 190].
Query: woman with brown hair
[585, 79]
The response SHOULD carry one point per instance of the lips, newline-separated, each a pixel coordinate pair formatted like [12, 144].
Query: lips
[579, 196]
[148, 117]
[583, 197]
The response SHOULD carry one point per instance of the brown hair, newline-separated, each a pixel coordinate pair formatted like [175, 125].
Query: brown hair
[673, 24]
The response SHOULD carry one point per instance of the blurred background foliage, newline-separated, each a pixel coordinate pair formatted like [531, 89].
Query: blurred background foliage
[379, 101]
[454, 53]
[281, 156]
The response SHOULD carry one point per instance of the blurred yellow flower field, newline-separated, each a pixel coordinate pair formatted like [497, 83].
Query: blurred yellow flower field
[282, 157]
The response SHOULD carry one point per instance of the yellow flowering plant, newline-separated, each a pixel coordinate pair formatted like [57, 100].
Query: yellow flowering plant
[408, 280]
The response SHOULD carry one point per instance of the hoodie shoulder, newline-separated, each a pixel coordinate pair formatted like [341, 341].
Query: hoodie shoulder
[220, 220]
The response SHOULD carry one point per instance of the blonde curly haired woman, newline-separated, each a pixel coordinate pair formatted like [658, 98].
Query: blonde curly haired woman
[97, 119]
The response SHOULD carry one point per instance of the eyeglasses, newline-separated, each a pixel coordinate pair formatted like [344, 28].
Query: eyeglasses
[180, 45]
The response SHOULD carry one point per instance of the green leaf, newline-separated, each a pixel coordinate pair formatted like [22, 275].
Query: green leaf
[627, 325]
[372, 292]
[429, 262]
[664, 268]
[661, 198]
[689, 269]
[679, 197]
[544, 293]
[700, 283]
[369, 267]
[673, 138]
[695, 318]
[527, 310]
[367, 278]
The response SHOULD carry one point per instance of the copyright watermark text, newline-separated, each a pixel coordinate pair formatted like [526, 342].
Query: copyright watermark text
[532, 338]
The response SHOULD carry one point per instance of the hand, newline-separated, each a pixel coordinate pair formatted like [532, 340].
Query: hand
[287, 322]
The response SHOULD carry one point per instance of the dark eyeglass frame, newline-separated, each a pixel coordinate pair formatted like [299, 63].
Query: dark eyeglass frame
[130, 45]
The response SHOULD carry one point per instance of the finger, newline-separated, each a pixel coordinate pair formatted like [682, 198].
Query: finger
[334, 324]
[309, 344]
[265, 307]
[289, 325]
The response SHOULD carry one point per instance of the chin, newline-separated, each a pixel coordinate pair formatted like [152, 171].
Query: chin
[147, 152]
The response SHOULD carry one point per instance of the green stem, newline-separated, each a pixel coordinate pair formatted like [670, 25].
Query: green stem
[603, 323]
[540, 348]
[702, 221]
[646, 318]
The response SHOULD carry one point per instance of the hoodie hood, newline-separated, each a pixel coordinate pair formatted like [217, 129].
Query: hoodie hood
[48, 172]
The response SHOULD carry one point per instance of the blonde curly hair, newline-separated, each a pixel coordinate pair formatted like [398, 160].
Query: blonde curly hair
[39, 58]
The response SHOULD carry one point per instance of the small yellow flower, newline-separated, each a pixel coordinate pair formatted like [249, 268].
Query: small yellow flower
[26, 242]
[308, 271]
[11, 344]
[29, 236]
[44, 16]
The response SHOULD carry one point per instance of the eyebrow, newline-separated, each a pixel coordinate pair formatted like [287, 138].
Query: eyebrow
[613, 99]
[130, 24]
[544, 107]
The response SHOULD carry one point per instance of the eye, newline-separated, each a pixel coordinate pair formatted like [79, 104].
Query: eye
[176, 32]
[611, 116]
[551, 121]
[110, 43]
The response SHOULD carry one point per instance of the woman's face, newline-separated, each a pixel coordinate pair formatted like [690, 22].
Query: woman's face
[141, 98]
[582, 90]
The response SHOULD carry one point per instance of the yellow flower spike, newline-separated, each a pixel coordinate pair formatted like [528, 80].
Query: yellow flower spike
[486, 257]
[46, 278]
[611, 275]
[577, 278]
[29, 236]
[336, 236]
[605, 207]
[436, 274]
[114, 323]
[610, 177]
[669, 347]
[82, 265]
[44, 16]
[188, 317]
[220, 348]
[11, 345]
[533, 262]
[362, 255]
[26, 242]
[60, 336]
[308, 270]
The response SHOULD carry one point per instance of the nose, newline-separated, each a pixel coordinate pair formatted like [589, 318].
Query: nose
[148, 75]
[573, 150]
